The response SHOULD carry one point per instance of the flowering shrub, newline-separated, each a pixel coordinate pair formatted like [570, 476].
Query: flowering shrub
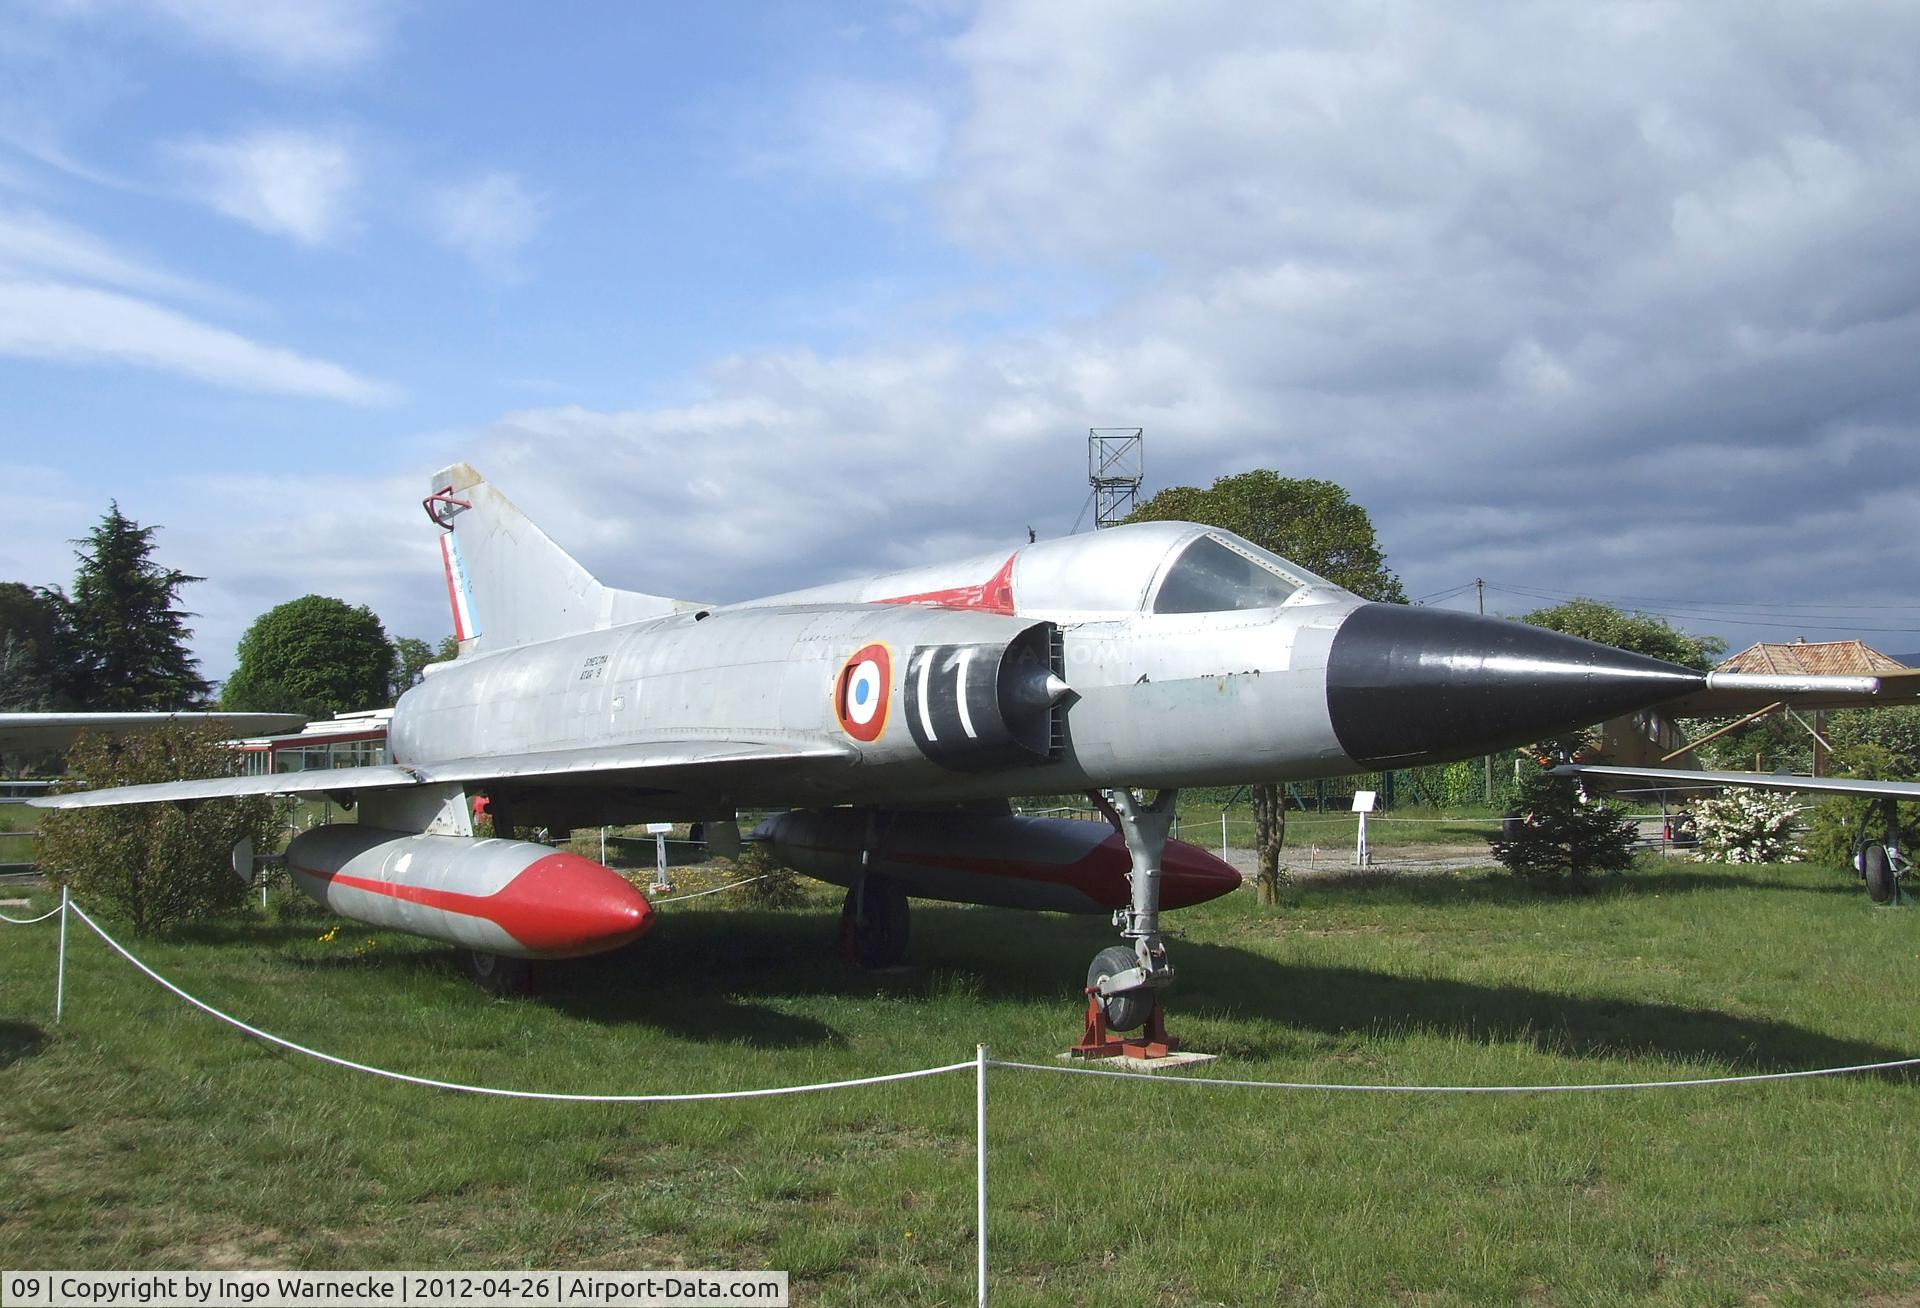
[1744, 825]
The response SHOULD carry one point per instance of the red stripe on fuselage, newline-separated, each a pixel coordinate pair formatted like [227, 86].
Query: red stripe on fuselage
[557, 904]
[994, 595]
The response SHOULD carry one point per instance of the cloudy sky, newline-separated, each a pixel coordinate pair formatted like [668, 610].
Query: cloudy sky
[1619, 300]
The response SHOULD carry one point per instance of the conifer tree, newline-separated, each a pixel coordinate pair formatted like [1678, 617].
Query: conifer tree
[1561, 832]
[128, 637]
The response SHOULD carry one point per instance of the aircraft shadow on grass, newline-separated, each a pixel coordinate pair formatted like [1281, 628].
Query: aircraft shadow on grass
[702, 976]
[706, 976]
[18, 1041]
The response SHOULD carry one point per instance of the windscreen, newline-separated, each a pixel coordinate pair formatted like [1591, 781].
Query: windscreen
[1213, 575]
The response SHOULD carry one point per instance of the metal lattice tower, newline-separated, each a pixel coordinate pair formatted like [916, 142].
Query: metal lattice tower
[1116, 465]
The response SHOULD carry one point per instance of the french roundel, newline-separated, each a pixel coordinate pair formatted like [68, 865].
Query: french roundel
[860, 693]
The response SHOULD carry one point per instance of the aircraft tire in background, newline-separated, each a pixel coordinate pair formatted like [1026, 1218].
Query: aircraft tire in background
[1126, 1010]
[874, 924]
[498, 974]
[1876, 869]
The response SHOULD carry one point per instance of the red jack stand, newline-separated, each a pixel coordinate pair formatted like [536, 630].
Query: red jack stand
[1152, 1042]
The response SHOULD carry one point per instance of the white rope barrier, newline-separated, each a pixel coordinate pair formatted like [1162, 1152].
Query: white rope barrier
[29, 921]
[1349, 819]
[978, 1065]
[734, 885]
[974, 1063]
[1467, 1089]
[436, 1084]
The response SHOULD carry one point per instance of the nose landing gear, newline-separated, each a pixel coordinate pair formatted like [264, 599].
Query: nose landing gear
[1125, 980]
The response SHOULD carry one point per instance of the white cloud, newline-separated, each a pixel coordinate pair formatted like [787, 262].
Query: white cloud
[281, 35]
[1620, 300]
[360, 538]
[488, 219]
[33, 244]
[1616, 300]
[45, 320]
[853, 130]
[284, 181]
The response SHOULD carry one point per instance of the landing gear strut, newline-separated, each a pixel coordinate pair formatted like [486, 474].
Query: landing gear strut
[1881, 863]
[874, 922]
[1125, 980]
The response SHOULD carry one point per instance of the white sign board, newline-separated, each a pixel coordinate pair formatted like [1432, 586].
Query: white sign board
[659, 828]
[1363, 801]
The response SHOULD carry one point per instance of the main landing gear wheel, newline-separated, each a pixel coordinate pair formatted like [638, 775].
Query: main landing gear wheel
[1129, 1008]
[1877, 870]
[873, 924]
[498, 974]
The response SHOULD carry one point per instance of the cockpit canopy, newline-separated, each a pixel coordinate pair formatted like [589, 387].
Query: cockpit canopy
[1217, 571]
[1144, 567]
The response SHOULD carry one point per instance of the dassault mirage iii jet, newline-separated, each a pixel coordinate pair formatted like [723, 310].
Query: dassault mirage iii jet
[891, 718]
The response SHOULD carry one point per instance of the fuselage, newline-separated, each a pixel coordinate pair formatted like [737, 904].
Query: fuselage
[1163, 654]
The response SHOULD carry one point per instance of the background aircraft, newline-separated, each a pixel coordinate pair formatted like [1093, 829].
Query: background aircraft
[894, 716]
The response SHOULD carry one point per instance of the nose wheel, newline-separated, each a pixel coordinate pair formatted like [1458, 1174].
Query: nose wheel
[1127, 1009]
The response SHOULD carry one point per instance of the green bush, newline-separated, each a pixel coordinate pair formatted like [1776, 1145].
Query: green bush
[778, 885]
[1839, 819]
[154, 864]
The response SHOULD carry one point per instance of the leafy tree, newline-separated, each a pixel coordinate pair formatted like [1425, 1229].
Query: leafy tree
[315, 655]
[1317, 525]
[1640, 632]
[1896, 729]
[1766, 744]
[1310, 521]
[33, 648]
[154, 864]
[411, 655]
[128, 637]
[1560, 831]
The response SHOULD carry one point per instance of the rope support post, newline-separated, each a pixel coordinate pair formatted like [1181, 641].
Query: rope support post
[980, 1165]
[60, 968]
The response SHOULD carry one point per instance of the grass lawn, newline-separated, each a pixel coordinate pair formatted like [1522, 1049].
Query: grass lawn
[140, 1133]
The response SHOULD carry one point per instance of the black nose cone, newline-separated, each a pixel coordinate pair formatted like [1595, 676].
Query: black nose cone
[1412, 685]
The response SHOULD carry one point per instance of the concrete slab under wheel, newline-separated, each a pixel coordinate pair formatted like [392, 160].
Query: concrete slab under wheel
[1123, 1063]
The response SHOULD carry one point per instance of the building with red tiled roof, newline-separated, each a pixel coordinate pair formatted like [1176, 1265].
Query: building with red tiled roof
[1817, 658]
[1853, 658]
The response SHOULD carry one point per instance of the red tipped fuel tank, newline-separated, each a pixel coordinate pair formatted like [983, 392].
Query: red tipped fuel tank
[509, 897]
[1059, 864]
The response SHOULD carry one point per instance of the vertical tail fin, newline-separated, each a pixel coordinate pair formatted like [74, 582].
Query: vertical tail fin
[508, 583]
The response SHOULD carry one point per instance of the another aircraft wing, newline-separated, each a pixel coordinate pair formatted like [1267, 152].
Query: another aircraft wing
[1687, 779]
[54, 733]
[652, 763]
